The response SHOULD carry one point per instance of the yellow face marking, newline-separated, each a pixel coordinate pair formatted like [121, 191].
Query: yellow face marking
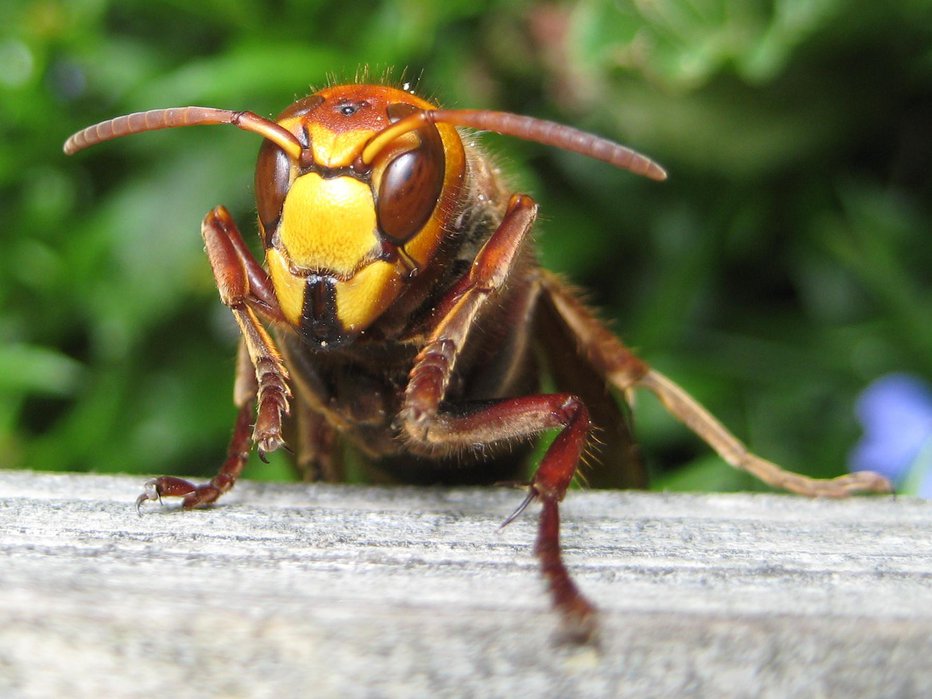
[365, 297]
[289, 288]
[360, 300]
[331, 149]
[329, 225]
[336, 149]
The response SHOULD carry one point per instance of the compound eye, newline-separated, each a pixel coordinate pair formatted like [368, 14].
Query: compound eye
[411, 183]
[273, 179]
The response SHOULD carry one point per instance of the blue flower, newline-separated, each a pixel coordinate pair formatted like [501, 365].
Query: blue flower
[896, 413]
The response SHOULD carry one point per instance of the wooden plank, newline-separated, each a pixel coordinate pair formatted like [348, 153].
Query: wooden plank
[319, 590]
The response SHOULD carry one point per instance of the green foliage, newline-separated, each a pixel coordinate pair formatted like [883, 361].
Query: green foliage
[782, 267]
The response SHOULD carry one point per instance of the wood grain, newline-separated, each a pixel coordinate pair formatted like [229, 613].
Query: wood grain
[345, 591]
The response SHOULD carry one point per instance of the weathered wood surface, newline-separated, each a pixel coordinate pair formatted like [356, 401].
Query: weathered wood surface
[341, 591]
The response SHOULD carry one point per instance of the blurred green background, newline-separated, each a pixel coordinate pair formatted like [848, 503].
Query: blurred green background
[783, 266]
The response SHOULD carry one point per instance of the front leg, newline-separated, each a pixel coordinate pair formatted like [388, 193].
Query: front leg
[432, 428]
[261, 377]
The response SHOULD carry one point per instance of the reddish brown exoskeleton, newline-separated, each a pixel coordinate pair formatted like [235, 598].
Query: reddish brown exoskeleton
[407, 307]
